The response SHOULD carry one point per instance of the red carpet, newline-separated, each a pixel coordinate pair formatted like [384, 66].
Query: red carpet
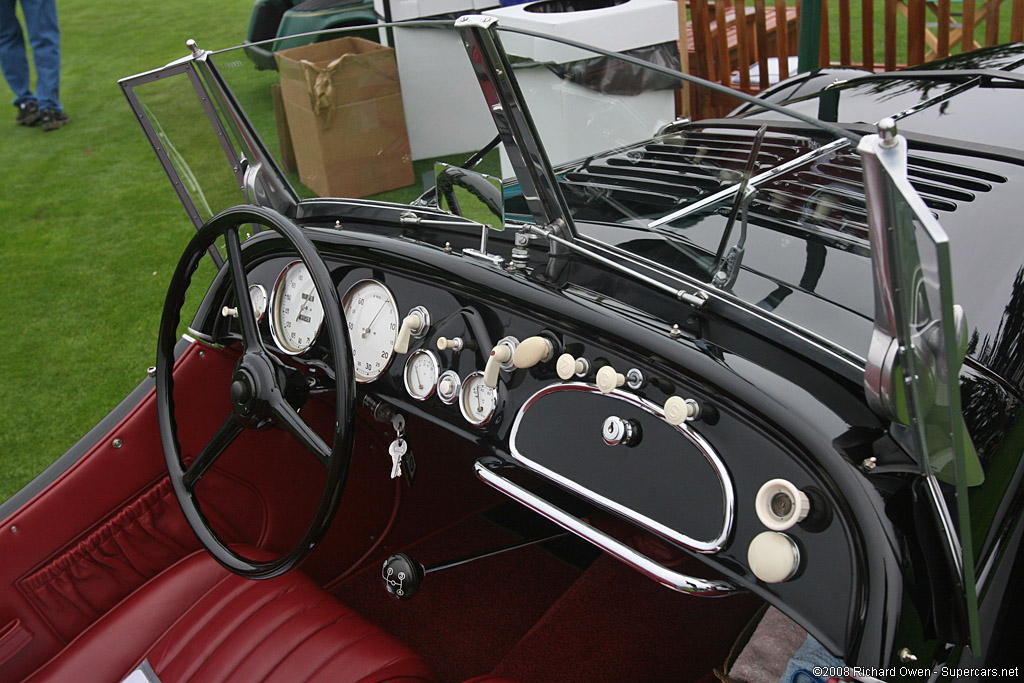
[616, 626]
[465, 619]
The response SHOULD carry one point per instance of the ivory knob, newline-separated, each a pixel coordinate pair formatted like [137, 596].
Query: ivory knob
[531, 351]
[411, 323]
[608, 380]
[501, 353]
[678, 410]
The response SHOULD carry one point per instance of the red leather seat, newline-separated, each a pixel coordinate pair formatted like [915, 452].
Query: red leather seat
[198, 622]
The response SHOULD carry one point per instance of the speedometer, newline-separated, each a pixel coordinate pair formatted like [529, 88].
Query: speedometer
[296, 309]
[372, 328]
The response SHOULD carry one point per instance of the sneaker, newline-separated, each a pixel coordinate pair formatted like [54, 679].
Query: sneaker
[53, 119]
[28, 113]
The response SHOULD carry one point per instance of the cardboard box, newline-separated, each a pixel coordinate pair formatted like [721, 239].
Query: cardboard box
[343, 102]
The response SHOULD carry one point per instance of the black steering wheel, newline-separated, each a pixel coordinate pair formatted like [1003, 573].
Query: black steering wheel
[265, 393]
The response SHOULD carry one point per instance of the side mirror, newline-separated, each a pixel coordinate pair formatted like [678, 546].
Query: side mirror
[470, 194]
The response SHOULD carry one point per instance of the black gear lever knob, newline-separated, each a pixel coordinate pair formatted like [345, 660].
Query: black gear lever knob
[402, 576]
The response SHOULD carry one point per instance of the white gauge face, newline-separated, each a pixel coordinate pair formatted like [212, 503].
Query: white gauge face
[372, 328]
[296, 309]
[258, 297]
[421, 374]
[477, 400]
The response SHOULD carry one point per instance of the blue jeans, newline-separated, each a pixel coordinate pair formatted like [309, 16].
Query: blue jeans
[44, 37]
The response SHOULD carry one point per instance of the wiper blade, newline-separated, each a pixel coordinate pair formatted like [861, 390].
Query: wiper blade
[774, 172]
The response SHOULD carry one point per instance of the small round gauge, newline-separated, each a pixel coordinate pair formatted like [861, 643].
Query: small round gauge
[258, 297]
[448, 386]
[372, 327]
[421, 372]
[296, 309]
[477, 400]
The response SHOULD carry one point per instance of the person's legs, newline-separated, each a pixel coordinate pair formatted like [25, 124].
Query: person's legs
[13, 59]
[44, 37]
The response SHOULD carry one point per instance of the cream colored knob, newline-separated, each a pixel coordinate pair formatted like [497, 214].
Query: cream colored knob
[608, 380]
[678, 410]
[411, 323]
[444, 343]
[773, 557]
[779, 504]
[531, 351]
[501, 353]
[567, 366]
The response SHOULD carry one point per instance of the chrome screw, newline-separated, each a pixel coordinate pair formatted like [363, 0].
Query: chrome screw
[117, 443]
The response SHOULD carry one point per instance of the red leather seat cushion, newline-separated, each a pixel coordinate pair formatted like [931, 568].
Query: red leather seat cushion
[198, 622]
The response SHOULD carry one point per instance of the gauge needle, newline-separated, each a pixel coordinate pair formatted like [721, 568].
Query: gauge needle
[418, 378]
[366, 330]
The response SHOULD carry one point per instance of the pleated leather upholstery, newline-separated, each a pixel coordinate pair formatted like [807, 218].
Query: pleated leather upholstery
[198, 622]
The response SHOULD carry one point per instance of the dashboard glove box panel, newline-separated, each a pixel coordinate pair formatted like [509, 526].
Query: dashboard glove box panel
[669, 480]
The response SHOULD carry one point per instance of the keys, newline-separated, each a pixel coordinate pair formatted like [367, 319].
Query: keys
[397, 450]
[401, 456]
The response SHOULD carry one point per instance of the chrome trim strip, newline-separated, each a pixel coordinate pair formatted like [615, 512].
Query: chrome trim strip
[705, 588]
[728, 492]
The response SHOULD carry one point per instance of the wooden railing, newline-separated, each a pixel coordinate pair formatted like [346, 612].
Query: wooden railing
[752, 54]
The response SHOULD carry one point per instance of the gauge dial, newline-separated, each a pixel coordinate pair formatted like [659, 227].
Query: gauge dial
[421, 372]
[296, 309]
[258, 297]
[477, 400]
[372, 328]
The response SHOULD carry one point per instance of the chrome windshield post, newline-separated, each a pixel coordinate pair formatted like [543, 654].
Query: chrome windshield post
[516, 128]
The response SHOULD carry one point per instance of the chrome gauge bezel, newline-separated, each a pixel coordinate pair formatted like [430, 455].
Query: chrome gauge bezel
[456, 382]
[464, 393]
[259, 291]
[275, 294]
[435, 369]
[345, 301]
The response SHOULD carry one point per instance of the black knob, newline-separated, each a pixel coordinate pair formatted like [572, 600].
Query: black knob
[402, 576]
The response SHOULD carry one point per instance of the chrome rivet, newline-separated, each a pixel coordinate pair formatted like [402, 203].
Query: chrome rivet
[906, 656]
[151, 371]
[337, 225]
[14, 529]
[447, 247]
[869, 463]
[202, 354]
[675, 332]
[117, 443]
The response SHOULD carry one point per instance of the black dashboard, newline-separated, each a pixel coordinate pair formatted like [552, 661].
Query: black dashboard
[663, 428]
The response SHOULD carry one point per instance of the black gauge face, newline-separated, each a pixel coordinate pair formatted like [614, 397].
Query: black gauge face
[372, 328]
[296, 309]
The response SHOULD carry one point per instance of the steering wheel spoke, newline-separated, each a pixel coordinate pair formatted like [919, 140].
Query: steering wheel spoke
[224, 437]
[300, 429]
[250, 330]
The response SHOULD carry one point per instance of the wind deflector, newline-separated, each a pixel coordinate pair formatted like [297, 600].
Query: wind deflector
[206, 145]
[917, 350]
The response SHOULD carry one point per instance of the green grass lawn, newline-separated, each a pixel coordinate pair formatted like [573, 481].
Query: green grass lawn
[91, 229]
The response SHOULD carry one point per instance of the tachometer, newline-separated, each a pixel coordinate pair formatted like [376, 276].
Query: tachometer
[296, 309]
[372, 327]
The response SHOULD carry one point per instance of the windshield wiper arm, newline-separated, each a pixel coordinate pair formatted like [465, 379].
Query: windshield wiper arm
[727, 264]
[776, 171]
